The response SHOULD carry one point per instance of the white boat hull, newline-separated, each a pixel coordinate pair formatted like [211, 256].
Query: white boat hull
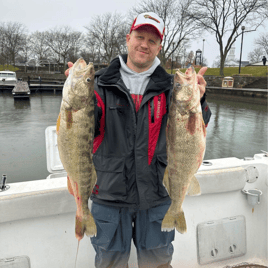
[37, 220]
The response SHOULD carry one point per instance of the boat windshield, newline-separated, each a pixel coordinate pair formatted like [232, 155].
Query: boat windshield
[7, 75]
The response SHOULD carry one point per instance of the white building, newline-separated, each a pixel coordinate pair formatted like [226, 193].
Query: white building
[231, 61]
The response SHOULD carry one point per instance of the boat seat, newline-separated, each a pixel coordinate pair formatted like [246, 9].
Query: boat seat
[222, 180]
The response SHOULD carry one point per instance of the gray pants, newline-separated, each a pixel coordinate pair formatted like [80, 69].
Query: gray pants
[117, 226]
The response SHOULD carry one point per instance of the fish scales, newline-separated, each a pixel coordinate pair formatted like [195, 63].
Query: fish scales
[75, 129]
[186, 141]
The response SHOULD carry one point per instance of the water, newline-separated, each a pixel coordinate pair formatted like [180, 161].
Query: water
[22, 135]
[236, 129]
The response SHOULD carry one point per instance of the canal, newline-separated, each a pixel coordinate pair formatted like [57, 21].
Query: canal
[236, 129]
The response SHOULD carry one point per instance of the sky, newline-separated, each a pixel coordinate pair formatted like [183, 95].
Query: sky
[46, 14]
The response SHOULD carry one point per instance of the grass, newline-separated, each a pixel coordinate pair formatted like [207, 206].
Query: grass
[230, 71]
[8, 68]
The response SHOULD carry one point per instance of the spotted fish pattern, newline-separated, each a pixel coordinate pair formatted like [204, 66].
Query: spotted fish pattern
[186, 141]
[75, 129]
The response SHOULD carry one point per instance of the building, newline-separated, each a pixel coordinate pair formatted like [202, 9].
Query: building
[231, 61]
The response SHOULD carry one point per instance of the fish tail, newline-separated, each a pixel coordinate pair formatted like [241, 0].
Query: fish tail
[171, 222]
[86, 225]
[90, 225]
[181, 226]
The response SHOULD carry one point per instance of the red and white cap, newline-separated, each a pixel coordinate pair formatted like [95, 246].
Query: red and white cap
[149, 18]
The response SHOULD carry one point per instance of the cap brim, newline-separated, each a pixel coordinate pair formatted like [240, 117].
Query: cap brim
[148, 24]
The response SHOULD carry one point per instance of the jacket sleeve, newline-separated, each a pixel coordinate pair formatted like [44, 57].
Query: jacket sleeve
[206, 112]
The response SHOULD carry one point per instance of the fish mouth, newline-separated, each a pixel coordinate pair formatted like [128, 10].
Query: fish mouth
[87, 69]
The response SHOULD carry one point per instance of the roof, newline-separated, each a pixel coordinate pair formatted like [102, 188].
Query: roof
[6, 72]
[260, 63]
[235, 63]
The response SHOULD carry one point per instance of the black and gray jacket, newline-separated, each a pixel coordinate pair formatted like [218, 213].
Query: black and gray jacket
[129, 151]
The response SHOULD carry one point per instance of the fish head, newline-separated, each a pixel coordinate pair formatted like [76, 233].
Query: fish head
[186, 92]
[78, 89]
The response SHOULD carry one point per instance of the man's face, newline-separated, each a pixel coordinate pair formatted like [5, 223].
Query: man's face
[143, 46]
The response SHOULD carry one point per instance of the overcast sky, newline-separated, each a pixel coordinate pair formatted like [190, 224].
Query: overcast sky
[46, 14]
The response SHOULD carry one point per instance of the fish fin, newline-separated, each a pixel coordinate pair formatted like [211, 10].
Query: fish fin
[79, 228]
[171, 222]
[69, 186]
[58, 124]
[166, 181]
[194, 187]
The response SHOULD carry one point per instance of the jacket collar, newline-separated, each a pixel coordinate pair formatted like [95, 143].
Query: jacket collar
[111, 75]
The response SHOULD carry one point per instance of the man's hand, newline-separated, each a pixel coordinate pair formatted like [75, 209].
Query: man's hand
[201, 81]
[70, 65]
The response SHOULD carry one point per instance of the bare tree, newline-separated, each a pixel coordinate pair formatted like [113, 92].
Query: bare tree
[225, 17]
[178, 26]
[39, 45]
[90, 50]
[255, 55]
[2, 45]
[108, 33]
[12, 40]
[190, 58]
[262, 42]
[26, 50]
[61, 41]
[216, 62]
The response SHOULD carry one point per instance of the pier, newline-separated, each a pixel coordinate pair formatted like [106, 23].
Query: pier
[39, 87]
[45, 87]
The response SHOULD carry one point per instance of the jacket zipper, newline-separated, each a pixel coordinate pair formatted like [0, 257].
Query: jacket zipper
[121, 88]
[152, 110]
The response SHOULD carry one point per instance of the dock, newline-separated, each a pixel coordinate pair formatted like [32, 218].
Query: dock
[21, 90]
[45, 87]
[37, 87]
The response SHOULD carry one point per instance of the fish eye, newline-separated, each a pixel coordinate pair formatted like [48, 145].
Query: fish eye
[88, 80]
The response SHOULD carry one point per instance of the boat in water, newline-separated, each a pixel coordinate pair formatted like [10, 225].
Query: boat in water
[7, 79]
[227, 224]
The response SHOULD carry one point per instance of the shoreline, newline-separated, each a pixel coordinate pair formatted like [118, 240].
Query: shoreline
[251, 95]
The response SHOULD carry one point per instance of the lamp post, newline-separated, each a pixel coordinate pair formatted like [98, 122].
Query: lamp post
[203, 52]
[243, 28]
[173, 43]
[183, 55]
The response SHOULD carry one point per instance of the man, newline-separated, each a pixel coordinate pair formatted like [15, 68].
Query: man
[264, 60]
[129, 199]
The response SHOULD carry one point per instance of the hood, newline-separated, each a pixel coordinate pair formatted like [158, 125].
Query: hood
[111, 74]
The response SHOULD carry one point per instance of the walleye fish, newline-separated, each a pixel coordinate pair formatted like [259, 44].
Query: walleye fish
[75, 129]
[186, 141]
